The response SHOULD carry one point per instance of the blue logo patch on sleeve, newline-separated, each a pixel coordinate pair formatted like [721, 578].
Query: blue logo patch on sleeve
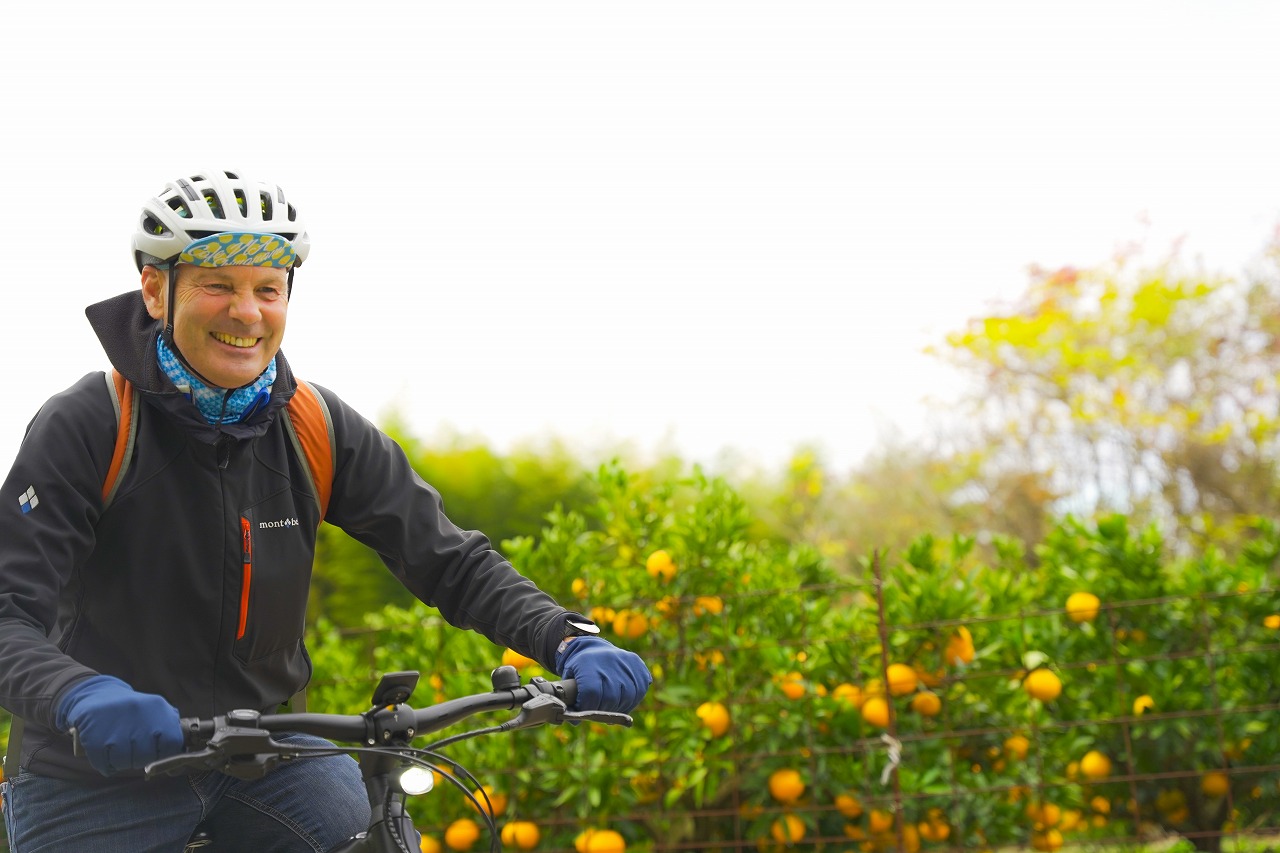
[29, 501]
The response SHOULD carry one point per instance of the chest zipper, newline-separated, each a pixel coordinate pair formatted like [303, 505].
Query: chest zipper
[247, 579]
[224, 451]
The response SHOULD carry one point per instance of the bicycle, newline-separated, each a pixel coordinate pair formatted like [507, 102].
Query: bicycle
[239, 744]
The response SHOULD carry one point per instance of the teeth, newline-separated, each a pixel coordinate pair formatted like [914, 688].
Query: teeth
[234, 341]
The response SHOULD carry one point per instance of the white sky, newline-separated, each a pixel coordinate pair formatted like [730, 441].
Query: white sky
[698, 225]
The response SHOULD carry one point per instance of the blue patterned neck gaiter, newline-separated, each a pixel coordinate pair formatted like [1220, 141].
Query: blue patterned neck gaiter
[238, 404]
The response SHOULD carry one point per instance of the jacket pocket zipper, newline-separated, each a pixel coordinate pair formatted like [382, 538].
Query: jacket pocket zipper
[247, 579]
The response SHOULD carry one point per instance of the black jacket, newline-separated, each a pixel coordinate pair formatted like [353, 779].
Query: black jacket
[150, 590]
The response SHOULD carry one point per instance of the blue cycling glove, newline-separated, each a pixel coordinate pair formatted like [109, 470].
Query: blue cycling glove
[119, 728]
[609, 678]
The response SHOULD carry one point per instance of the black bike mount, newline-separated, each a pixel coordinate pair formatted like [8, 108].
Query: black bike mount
[394, 688]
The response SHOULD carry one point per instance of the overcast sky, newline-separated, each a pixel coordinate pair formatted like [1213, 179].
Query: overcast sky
[707, 226]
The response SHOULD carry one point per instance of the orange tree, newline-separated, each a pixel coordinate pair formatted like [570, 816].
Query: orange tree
[730, 627]
[1098, 689]
[1092, 689]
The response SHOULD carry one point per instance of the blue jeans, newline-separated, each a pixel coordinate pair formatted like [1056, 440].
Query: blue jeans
[303, 806]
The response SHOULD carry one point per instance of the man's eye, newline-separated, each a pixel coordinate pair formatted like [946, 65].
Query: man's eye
[270, 292]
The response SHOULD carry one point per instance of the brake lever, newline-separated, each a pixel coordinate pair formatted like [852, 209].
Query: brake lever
[177, 765]
[244, 753]
[610, 718]
[538, 711]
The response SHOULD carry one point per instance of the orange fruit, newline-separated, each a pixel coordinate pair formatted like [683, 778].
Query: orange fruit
[849, 694]
[605, 841]
[715, 717]
[926, 704]
[497, 801]
[1017, 747]
[713, 658]
[708, 605]
[876, 711]
[510, 657]
[1049, 840]
[1215, 783]
[630, 624]
[880, 821]
[792, 685]
[1095, 765]
[849, 806]
[1143, 704]
[786, 786]
[901, 678]
[660, 565]
[523, 834]
[430, 845]
[1042, 684]
[960, 647]
[787, 829]
[1272, 621]
[1048, 814]
[1083, 606]
[462, 834]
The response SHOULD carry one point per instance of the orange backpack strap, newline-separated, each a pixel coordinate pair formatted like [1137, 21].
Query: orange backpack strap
[124, 399]
[310, 428]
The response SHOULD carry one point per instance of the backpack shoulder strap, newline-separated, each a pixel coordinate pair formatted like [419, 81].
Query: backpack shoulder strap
[124, 399]
[310, 427]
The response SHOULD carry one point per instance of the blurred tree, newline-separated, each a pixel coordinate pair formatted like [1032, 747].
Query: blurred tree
[1145, 390]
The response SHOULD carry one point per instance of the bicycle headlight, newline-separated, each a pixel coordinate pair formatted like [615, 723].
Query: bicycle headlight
[417, 780]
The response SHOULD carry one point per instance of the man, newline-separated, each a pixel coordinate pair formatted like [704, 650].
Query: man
[182, 589]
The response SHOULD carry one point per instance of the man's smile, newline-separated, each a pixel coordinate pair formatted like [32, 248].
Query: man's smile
[232, 340]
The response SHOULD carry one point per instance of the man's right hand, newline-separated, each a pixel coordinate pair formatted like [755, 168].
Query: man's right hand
[118, 727]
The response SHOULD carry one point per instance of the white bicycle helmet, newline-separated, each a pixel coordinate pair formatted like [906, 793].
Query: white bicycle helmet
[214, 202]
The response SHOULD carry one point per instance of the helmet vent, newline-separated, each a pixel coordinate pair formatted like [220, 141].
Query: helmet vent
[293, 214]
[181, 207]
[232, 175]
[215, 204]
[151, 225]
[265, 199]
[241, 203]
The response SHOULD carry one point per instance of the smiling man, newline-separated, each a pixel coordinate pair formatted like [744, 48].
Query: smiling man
[168, 574]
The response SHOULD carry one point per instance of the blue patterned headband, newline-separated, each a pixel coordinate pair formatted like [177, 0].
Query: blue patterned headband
[241, 249]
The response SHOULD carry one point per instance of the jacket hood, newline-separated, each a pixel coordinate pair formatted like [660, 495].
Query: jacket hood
[128, 336]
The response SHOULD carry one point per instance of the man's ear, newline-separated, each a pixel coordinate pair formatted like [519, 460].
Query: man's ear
[155, 287]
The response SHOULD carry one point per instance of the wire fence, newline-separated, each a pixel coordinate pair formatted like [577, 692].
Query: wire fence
[1175, 698]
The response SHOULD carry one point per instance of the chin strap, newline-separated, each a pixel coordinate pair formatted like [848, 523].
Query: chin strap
[171, 269]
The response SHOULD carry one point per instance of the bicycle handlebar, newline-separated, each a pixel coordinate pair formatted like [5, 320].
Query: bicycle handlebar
[239, 743]
[357, 728]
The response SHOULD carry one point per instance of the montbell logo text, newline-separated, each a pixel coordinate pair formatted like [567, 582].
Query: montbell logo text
[284, 522]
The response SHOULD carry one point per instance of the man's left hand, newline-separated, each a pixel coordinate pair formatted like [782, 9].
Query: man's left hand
[609, 678]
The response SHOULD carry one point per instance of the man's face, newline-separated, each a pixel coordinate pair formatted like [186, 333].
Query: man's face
[228, 322]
